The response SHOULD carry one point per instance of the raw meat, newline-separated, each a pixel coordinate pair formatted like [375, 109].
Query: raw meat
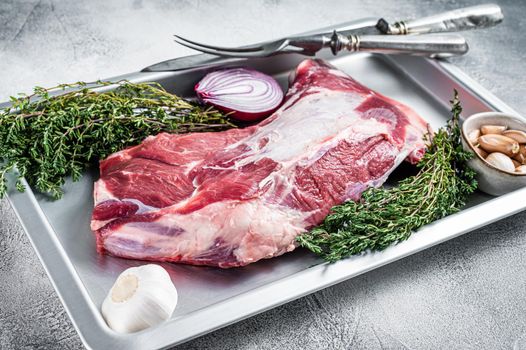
[232, 198]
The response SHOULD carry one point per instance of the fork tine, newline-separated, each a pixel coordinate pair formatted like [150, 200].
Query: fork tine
[252, 48]
[211, 51]
[223, 53]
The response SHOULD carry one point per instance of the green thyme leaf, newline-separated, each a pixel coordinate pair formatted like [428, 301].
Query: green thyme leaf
[387, 216]
[48, 137]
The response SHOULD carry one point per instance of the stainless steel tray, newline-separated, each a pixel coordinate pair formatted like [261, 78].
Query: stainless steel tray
[210, 298]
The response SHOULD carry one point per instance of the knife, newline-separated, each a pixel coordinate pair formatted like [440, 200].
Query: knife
[473, 17]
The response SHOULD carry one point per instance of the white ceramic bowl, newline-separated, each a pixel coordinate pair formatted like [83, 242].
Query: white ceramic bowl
[492, 180]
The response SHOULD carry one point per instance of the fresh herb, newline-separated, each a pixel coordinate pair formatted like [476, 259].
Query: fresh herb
[386, 216]
[48, 138]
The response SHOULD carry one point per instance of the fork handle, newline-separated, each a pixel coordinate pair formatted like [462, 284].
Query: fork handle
[433, 45]
[473, 17]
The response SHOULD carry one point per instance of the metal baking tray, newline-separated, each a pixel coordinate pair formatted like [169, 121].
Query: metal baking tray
[210, 298]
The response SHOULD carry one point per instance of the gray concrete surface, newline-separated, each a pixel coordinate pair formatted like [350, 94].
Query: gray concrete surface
[468, 293]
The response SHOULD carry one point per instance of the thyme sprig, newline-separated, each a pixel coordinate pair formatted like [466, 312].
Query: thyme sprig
[386, 216]
[48, 137]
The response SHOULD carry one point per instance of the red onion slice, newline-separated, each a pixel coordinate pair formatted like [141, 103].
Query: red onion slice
[250, 95]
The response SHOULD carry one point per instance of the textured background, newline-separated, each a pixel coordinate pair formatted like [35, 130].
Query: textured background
[467, 293]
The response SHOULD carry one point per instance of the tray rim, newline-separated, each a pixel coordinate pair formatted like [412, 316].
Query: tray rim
[95, 334]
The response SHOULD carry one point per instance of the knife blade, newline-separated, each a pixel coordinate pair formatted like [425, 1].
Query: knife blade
[357, 27]
[480, 16]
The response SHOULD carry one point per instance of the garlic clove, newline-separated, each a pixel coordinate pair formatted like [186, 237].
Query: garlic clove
[141, 297]
[492, 129]
[498, 143]
[517, 135]
[521, 169]
[473, 136]
[501, 161]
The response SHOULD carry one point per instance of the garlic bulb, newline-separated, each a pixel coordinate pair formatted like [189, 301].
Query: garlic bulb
[140, 298]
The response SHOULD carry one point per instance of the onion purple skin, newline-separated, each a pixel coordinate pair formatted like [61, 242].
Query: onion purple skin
[263, 104]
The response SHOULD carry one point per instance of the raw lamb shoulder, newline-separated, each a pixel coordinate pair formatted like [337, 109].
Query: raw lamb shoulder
[232, 198]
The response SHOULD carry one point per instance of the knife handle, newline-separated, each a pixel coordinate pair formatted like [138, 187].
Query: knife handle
[473, 17]
[432, 45]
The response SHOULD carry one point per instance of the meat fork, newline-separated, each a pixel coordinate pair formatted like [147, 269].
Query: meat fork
[442, 45]
[473, 17]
